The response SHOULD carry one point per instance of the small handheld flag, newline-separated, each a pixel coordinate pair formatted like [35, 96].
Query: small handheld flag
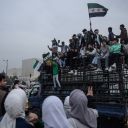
[37, 65]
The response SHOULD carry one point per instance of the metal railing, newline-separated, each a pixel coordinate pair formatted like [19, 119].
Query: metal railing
[107, 86]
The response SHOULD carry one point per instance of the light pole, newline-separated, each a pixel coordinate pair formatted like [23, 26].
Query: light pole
[6, 66]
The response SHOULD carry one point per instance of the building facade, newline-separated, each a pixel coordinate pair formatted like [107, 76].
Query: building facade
[27, 68]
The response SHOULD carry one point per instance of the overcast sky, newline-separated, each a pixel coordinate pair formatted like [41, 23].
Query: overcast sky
[28, 26]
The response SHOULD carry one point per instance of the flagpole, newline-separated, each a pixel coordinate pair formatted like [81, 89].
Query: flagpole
[90, 20]
[90, 24]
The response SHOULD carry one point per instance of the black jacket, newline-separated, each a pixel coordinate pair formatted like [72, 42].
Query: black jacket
[3, 95]
[22, 123]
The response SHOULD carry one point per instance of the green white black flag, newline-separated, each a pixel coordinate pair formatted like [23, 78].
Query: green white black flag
[96, 10]
[45, 55]
[37, 65]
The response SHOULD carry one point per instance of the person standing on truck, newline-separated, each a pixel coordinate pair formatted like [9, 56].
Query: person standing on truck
[54, 48]
[123, 35]
[55, 74]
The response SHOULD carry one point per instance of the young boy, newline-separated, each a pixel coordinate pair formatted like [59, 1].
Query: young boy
[115, 54]
[55, 74]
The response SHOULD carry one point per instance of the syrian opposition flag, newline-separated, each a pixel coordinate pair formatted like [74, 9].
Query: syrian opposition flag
[96, 10]
[45, 56]
[37, 65]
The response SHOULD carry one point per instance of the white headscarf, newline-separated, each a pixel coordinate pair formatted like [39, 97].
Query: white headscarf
[15, 107]
[53, 113]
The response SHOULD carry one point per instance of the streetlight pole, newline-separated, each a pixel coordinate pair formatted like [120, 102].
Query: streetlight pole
[6, 66]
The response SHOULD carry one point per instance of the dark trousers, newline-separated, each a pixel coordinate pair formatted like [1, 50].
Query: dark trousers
[126, 59]
[89, 59]
[72, 60]
[115, 58]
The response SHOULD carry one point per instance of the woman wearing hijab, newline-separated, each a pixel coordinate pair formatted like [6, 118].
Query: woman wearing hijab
[15, 104]
[81, 115]
[67, 107]
[53, 114]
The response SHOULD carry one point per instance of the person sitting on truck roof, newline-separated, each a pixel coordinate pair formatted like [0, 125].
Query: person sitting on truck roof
[90, 53]
[103, 55]
[81, 115]
[116, 50]
[53, 114]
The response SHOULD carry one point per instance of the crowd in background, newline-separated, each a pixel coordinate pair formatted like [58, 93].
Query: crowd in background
[92, 49]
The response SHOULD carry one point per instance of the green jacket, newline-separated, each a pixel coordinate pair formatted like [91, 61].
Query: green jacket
[39, 124]
[55, 68]
[115, 48]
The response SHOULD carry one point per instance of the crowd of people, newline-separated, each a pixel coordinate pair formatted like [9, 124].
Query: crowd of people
[74, 113]
[90, 49]
[93, 50]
